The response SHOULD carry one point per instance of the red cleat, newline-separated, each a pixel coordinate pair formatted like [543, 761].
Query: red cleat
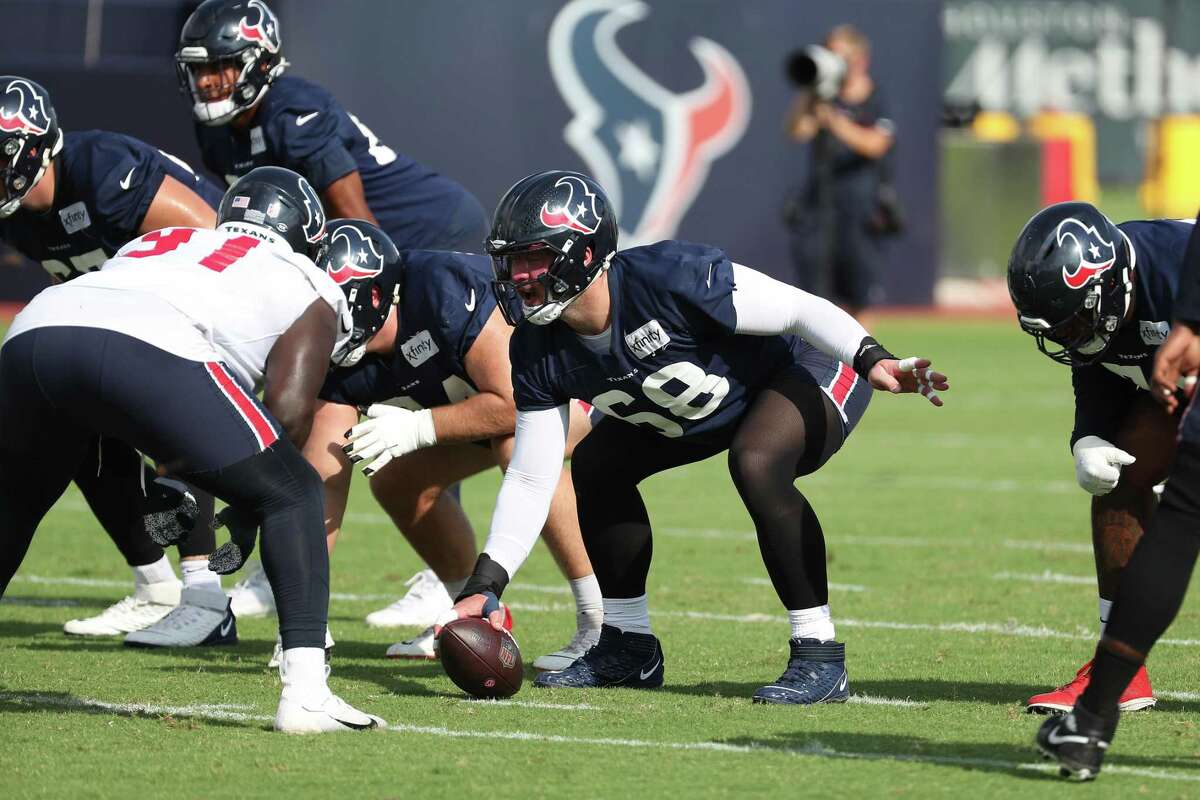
[1137, 696]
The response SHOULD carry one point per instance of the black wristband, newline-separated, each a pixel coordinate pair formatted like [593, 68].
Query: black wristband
[487, 577]
[870, 353]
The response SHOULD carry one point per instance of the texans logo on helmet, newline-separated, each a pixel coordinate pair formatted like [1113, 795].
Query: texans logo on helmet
[362, 260]
[264, 30]
[23, 110]
[581, 216]
[314, 220]
[650, 148]
[1096, 256]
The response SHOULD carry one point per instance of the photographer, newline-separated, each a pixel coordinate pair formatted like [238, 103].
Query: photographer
[847, 205]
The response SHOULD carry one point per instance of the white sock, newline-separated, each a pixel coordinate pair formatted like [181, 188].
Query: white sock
[454, 588]
[158, 572]
[304, 668]
[589, 604]
[631, 614]
[197, 574]
[812, 623]
[1105, 609]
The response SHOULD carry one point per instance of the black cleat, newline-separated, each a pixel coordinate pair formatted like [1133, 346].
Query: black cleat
[620, 658]
[1077, 741]
[816, 673]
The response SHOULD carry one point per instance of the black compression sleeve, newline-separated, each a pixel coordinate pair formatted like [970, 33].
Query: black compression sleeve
[487, 577]
[870, 353]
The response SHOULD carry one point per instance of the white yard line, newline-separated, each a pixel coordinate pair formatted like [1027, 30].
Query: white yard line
[837, 587]
[1045, 577]
[812, 749]
[1185, 696]
[528, 704]
[871, 700]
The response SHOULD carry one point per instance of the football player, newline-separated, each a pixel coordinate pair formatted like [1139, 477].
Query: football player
[436, 383]
[687, 354]
[1155, 579]
[70, 200]
[165, 348]
[248, 113]
[1098, 297]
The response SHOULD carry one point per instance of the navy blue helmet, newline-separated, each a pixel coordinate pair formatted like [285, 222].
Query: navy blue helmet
[29, 138]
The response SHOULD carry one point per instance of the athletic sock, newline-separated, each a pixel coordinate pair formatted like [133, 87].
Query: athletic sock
[812, 623]
[589, 603]
[454, 588]
[304, 669]
[1105, 610]
[196, 574]
[155, 572]
[1111, 673]
[628, 614]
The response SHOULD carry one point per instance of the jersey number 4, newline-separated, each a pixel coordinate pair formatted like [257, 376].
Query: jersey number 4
[218, 260]
[695, 382]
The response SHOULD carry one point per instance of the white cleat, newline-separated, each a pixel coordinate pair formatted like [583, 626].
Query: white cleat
[201, 618]
[277, 653]
[330, 714]
[585, 639]
[425, 601]
[423, 646]
[148, 604]
[251, 596]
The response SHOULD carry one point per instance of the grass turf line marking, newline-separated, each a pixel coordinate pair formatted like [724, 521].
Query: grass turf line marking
[1045, 577]
[528, 704]
[839, 587]
[1177, 695]
[810, 749]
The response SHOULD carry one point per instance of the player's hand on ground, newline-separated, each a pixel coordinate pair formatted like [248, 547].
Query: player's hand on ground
[1098, 464]
[1178, 357]
[909, 375]
[476, 605]
[389, 432]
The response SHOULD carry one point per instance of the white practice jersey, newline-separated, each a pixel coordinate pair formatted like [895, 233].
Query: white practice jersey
[203, 295]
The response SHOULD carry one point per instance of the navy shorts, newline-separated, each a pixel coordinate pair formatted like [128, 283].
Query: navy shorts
[62, 385]
[1189, 426]
[840, 383]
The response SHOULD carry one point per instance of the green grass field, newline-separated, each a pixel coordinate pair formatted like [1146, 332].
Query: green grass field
[959, 547]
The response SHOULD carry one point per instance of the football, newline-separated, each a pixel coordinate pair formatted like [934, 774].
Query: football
[481, 660]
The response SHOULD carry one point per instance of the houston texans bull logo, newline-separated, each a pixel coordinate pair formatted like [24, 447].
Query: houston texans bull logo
[355, 255]
[650, 148]
[23, 109]
[314, 219]
[264, 29]
[577, 211]
[1096, 256]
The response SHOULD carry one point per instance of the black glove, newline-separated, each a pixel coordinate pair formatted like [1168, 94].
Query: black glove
[243, 533]
[169, 512]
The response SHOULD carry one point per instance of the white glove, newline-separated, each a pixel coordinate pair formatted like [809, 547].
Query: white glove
[389, 432]
[1098, 464]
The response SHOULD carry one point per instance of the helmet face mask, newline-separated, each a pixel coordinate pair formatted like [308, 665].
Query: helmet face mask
[567, 216]
[229, 53]
[29, 139]
[1070, 277]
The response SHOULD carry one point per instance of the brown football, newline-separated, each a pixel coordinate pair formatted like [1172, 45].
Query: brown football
[481, 660]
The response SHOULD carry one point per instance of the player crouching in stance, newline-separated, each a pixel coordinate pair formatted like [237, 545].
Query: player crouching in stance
[164, 349]
[433, 371]
[1097, 297]
[688, 355]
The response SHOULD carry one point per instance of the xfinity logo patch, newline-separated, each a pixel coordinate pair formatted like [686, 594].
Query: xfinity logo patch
[75, 217]
[1154, 332]
[257, 143]
[647, 340]
[419, 349]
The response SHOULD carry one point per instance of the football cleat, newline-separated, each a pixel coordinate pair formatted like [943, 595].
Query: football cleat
[252, 596]
[585, 639]
[1137, 695]
[148, 604]
[816, 673]
[619, 658]
[425, 601]
[277, 653]
[330, 714]
[1077, 741]
[202, 618]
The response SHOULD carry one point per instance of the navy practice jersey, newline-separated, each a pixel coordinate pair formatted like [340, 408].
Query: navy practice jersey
[672, 362]
[1103, 391]
[446, 299]
[103, 186]
[300, 125]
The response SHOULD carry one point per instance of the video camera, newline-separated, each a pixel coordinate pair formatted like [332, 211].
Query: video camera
[817, 69]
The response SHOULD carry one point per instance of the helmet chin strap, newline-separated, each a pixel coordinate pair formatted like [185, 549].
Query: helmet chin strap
[552, 309]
